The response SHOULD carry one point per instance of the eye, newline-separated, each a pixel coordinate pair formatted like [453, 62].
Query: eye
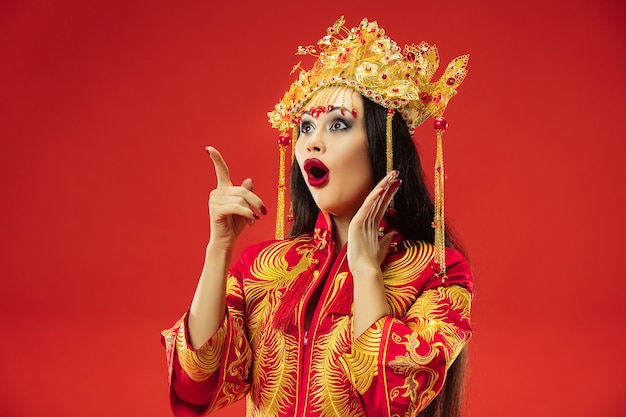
[339, 124]
[306, 127]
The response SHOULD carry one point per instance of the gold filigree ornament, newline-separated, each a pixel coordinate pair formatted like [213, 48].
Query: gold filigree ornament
[400, 79]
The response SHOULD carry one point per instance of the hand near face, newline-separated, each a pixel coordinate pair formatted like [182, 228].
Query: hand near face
[365, 250]
[230, 207]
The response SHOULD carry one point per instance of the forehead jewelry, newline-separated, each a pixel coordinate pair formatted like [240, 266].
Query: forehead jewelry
[366, 60]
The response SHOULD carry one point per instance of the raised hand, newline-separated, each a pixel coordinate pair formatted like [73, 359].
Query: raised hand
[230, 207]
[365, 250]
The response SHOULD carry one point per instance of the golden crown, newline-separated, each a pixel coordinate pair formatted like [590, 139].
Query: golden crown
[365, 59]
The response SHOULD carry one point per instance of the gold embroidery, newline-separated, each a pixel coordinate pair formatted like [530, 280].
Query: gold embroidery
[335, 285]
[200, 364]
[229, 393]
[169, 335]
[322, 236]
[361, 363]
[275, 364]
[429, 313]
[429, 318]
[274, 374]
[328, 395]
[400, 273]
[272, 276]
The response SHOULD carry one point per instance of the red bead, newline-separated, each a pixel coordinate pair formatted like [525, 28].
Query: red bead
[284, 140]
[450, 81]
[354, 113]
[391, 111]
[410, 56]
[425, 97]
[441, 124]
[316, 111]
[384, 76]
[330, 107]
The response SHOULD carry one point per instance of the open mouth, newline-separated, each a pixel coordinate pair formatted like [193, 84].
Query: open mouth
[317, 172]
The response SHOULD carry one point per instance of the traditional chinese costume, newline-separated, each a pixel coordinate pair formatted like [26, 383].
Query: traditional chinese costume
[395, 368]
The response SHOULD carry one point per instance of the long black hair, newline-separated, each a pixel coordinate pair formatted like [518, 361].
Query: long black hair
[412, 202]
[413, 219]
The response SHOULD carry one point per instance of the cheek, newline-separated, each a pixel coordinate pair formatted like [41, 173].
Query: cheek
[298, 150]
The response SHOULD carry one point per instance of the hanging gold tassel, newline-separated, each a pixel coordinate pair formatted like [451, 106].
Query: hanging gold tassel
[439, 220]
[283, 142]
[389, 145]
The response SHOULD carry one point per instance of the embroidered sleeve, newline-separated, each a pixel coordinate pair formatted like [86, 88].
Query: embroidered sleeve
[215, 375]
[398, 366]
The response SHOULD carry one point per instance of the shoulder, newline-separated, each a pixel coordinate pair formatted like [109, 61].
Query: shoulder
[458, 269]
[416, 257]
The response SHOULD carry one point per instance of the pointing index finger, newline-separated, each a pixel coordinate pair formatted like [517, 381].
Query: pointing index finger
[221, 169]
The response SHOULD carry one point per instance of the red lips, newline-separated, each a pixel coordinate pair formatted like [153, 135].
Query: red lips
[317, 172]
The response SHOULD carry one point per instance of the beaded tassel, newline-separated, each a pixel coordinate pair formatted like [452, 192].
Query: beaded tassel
[389, 144]
[439, 220]
[283, 142]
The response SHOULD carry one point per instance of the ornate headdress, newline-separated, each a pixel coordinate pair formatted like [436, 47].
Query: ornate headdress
[365, 59]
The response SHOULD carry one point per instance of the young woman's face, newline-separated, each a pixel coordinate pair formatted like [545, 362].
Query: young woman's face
[332, 151]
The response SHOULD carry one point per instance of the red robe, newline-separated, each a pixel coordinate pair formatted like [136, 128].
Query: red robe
[395, 368]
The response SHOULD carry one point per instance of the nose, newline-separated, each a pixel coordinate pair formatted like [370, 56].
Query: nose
[314, 141]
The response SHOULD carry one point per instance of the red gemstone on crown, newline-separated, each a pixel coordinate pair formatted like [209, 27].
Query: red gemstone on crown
[441, 123]
[284, 140]
[316, 111]
[450, 81]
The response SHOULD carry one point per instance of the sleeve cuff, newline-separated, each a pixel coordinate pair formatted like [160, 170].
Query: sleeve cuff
[199, 363]
[360, 364]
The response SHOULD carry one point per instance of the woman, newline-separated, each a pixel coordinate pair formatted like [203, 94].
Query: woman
[362, 311]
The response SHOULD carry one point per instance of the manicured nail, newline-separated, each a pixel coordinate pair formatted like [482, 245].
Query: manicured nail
[397, 183]
[263, 210]
[381, 192]
[207, 150]
[256, 216]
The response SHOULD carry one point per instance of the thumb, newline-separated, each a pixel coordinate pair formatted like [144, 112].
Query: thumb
[383, 245]
[247, 184]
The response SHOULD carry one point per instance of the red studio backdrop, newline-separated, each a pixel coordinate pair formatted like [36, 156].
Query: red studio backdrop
[106, 108]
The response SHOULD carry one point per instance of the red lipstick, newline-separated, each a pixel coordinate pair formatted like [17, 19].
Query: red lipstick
[317, 172]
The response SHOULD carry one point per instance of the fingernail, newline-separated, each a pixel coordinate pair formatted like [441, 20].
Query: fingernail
[256, 216]
[381, 192]
[263, 210]
[207, 150]
[393, 176]
[397, 182]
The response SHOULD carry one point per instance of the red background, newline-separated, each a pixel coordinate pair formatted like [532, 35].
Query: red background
[104, 114]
